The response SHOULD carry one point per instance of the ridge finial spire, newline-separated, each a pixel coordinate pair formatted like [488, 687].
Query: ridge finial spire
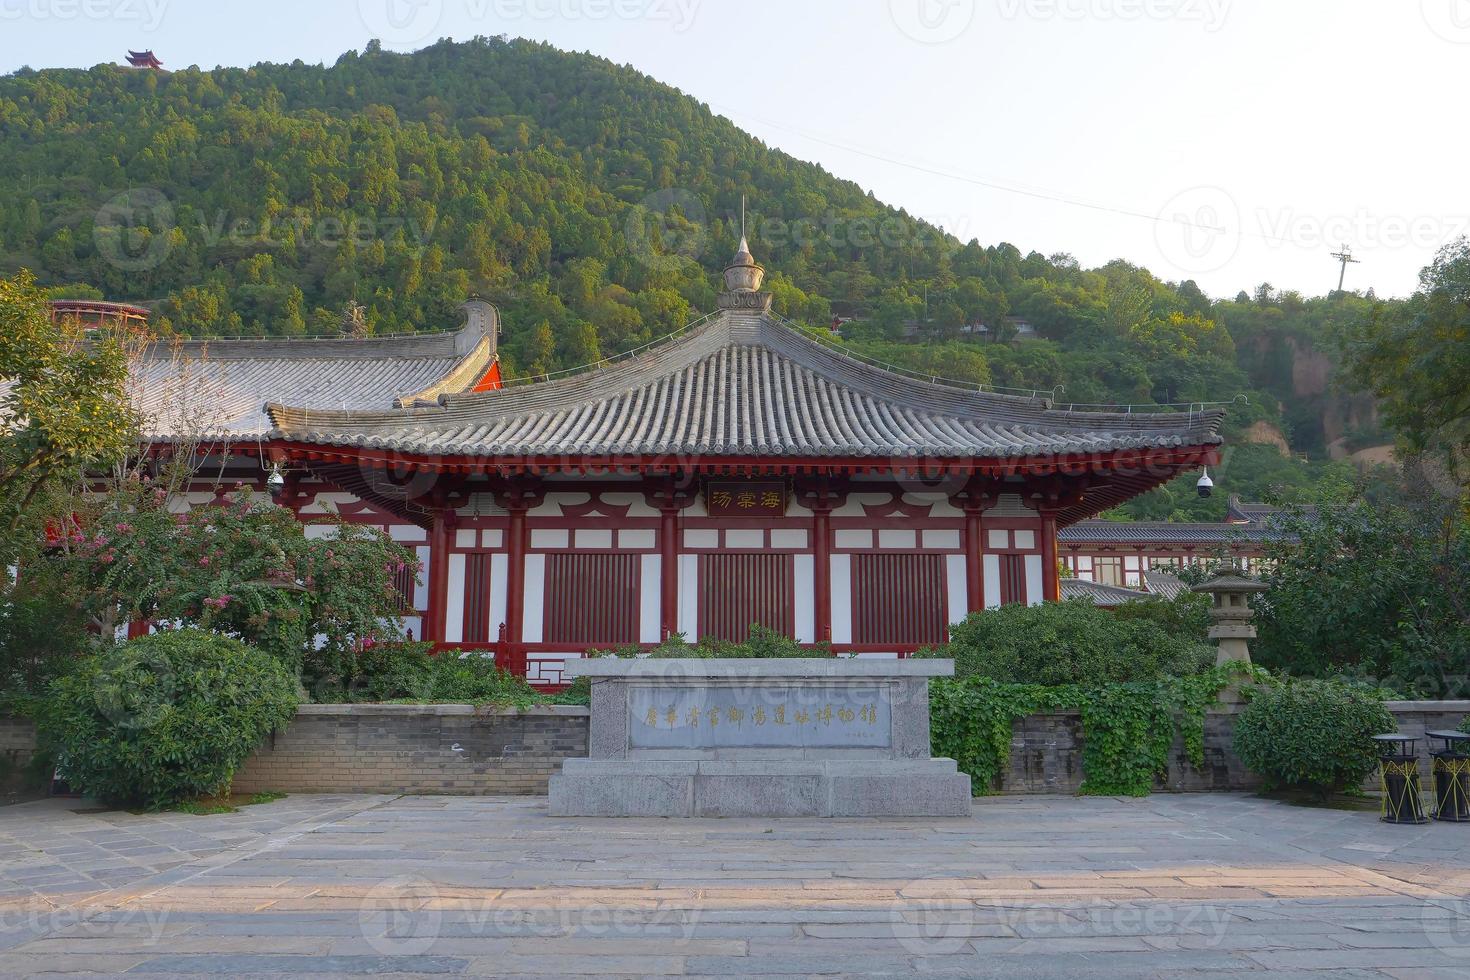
[743, 276]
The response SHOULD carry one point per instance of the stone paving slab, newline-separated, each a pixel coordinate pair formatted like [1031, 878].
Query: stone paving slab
[338, 885]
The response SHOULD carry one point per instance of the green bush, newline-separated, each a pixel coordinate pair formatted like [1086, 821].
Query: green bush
[165, 718]
[1185, 616]
[385, 672]
[1070, 642]
[760, 643]
[1312, 734]
[413, 672]
[578, 691]
[1128, 729]
[42, 634]
[473, 678]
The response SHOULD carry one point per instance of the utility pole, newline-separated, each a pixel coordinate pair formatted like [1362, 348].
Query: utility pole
[1345, 257]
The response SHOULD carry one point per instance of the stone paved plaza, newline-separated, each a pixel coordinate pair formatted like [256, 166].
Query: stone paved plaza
[1214, 885]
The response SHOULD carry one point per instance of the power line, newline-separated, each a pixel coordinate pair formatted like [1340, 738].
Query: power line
[991, 184]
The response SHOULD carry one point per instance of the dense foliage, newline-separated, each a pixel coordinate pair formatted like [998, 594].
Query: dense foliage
[1312, 734]
[243, 568]
[165, 718]
[595, 206]
[65, 412]
[412, 672]
[42, 634]
[1070, 642]
[760, 642]
[1128, 728]
[1373, 585]
[1186, 616]
[1415, 357]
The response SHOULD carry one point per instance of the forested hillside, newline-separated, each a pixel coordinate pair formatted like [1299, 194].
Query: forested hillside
[596, 207]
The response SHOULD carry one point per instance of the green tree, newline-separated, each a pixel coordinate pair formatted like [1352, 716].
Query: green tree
[1416, 359]
[1373, 586]
[66, 412]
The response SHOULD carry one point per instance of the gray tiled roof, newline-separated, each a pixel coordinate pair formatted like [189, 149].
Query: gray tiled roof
[1165, 532]
[742, 385]
[1164, 584]
[1099, 593]
[221, 387]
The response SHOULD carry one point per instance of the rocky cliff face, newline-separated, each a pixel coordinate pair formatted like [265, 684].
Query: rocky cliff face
[1321, 410]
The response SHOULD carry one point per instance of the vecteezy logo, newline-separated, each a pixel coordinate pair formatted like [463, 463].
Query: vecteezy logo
[932, 21]
[1198, 230]
[1445, 916]
[400, 23]
[1450, 19]
[932, 926]
[666, 229]
[133, 230]
[136, 695]
[399, 917]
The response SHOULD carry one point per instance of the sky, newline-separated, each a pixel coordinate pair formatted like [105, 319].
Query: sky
[1233, 142]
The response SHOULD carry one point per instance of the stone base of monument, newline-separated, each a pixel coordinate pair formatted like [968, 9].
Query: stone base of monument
[760, 738]
[607, 788]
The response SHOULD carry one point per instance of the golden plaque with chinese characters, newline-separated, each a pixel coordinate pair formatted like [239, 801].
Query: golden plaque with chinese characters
[745, 498]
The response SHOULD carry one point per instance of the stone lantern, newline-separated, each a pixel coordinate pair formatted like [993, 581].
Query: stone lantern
[1230, 608]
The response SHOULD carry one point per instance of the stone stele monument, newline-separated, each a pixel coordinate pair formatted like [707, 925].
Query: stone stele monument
[798, 737]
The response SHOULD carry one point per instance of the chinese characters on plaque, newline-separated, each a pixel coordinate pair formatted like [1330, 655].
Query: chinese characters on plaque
[745, 498]
[758, 717]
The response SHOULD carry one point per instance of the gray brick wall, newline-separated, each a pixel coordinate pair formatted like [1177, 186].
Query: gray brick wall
[17, 745]
[457, 749]
[391, 748]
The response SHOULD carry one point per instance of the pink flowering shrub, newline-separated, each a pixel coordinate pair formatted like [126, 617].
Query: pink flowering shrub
[244, 569]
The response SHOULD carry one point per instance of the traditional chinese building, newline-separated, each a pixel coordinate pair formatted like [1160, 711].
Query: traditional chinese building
[742, 471]
[1123, 553]
[144, 59]
[92, 314]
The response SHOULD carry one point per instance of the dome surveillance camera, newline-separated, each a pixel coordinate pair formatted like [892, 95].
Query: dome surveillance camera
[1205, 486]
[275, 483]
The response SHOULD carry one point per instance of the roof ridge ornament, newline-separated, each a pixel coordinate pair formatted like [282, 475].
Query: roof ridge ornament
[743, 277]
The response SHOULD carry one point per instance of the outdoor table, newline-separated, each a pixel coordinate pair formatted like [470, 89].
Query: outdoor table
[1452, 777]
[1399, 768]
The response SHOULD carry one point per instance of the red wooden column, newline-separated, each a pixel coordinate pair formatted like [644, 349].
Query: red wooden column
[438, 572]
[516, 499]
[821, 498]
[441, 537]
[1048, 497]
[1051, 577]
[515, 588]
[977, 496]
[822, 572]
[974, 567]
[668, 570]
[669, 499]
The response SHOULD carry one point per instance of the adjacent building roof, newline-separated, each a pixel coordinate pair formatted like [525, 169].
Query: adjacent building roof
[1098, 593]
[739, 384]
[1166, 533]
[221, 387]
[1164, 584]
[1238, 511]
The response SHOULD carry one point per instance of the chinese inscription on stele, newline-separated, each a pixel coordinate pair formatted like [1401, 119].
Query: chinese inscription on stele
[745, 498]
[758, 717]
